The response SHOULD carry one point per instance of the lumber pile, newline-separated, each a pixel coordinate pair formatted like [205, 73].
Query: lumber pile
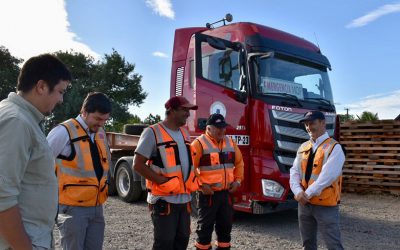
[373, 156]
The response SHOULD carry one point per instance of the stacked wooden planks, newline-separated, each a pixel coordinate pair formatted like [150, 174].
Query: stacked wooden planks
[373, 156]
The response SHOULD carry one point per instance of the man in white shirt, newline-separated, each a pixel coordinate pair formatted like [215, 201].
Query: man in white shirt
[82, 162]
[315, 180]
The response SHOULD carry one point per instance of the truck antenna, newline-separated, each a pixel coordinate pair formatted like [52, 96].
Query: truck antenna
[228, 17]
[316, 39]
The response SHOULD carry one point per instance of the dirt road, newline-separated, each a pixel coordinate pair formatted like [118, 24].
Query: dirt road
[367, 222]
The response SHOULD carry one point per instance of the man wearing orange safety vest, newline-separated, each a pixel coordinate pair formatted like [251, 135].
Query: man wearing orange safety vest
[163, 157]
[82, 162]
[315, 179]
[220, 165]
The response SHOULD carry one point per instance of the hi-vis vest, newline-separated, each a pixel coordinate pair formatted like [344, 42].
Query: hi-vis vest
[216, 166]
[77, 181]
[330, 196]
[168, 164]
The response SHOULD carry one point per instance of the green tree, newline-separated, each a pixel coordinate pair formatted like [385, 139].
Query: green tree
[112, 75]
[116, 78]
[151, 119]
[81, 67]
[118, 126]
[368, 116]
[9, 71]
[345, 118]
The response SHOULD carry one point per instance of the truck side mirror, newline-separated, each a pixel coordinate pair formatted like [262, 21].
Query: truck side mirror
[241, 96]
[225, 68]
[216, 43]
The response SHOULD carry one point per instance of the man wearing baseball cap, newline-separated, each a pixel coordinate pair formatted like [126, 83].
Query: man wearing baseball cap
[163, 157]
[220, 166]
[315, 180]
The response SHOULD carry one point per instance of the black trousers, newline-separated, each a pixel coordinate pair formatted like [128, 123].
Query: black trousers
[171, 224]
[214, 210]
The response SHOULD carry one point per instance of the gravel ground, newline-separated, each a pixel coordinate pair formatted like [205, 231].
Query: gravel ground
[367, 222]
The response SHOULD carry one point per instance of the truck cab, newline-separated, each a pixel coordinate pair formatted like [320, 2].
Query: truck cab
[262, 80]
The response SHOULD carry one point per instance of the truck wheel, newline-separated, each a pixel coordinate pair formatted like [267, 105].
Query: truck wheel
[134, 129]
[193, 204]
[128, 189]
[112, 190]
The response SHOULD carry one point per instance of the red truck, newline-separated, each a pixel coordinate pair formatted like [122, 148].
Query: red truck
[262, 80]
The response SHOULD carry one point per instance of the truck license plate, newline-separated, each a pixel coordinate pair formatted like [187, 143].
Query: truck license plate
[240, 139]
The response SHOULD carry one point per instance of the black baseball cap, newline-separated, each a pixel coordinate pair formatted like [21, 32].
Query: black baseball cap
[217, 120]
[313, 115]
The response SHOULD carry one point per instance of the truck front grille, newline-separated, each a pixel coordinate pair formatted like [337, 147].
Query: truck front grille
[289, 134]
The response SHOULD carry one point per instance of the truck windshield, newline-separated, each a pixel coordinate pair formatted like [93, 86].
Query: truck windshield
[282, 74]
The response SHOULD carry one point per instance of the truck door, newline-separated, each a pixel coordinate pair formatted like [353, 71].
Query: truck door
[221, 87]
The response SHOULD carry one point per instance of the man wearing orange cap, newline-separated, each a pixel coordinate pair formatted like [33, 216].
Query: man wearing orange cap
[163, 157]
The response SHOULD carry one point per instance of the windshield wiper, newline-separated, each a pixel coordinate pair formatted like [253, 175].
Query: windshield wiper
[320, 100]
[292, 97]
[325, 102]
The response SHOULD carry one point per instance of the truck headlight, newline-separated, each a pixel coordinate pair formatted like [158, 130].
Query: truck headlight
[272, 188]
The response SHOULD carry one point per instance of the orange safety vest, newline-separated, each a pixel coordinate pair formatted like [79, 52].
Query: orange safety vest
[167, 163]
[216, 165]
[330, 196]
[77, 181]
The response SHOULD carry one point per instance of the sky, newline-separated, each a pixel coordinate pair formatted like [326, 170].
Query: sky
[360, 38]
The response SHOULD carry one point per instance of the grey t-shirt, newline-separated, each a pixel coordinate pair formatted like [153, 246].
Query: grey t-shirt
[147, 148]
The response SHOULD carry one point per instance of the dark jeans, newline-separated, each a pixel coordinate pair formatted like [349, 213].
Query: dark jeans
[171, 225]
[215, 210]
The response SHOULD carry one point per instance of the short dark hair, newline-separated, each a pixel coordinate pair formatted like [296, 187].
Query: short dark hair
[96, 101]
[44, 67]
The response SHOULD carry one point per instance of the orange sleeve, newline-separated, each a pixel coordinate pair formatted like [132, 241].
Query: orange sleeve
[238, 171]
[197, 151]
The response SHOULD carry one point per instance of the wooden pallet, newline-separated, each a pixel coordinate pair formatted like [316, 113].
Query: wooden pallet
[373, 156]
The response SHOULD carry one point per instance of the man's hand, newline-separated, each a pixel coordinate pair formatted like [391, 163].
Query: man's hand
[206, 189]
[302, 198]
[162, 179]
[12, 229]
[139, 165]
[234, 186]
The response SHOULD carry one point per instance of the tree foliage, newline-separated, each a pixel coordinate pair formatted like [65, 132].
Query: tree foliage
[368, 116]
[9, 70]
[151, 119]
[345, 118]
[118, 126]
[113, 76]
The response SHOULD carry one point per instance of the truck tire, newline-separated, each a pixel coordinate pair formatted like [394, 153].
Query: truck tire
[134, 129]
[112, 189]
[128, 189]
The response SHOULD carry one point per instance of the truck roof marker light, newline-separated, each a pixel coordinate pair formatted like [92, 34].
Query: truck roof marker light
[228, 17]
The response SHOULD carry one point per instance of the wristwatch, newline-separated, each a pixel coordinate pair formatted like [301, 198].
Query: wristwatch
[238, 181]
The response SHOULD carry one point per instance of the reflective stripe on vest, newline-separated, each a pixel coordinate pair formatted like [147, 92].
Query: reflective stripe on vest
[170, 166]
[330, 195]
[78, 183]
[214, 171]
